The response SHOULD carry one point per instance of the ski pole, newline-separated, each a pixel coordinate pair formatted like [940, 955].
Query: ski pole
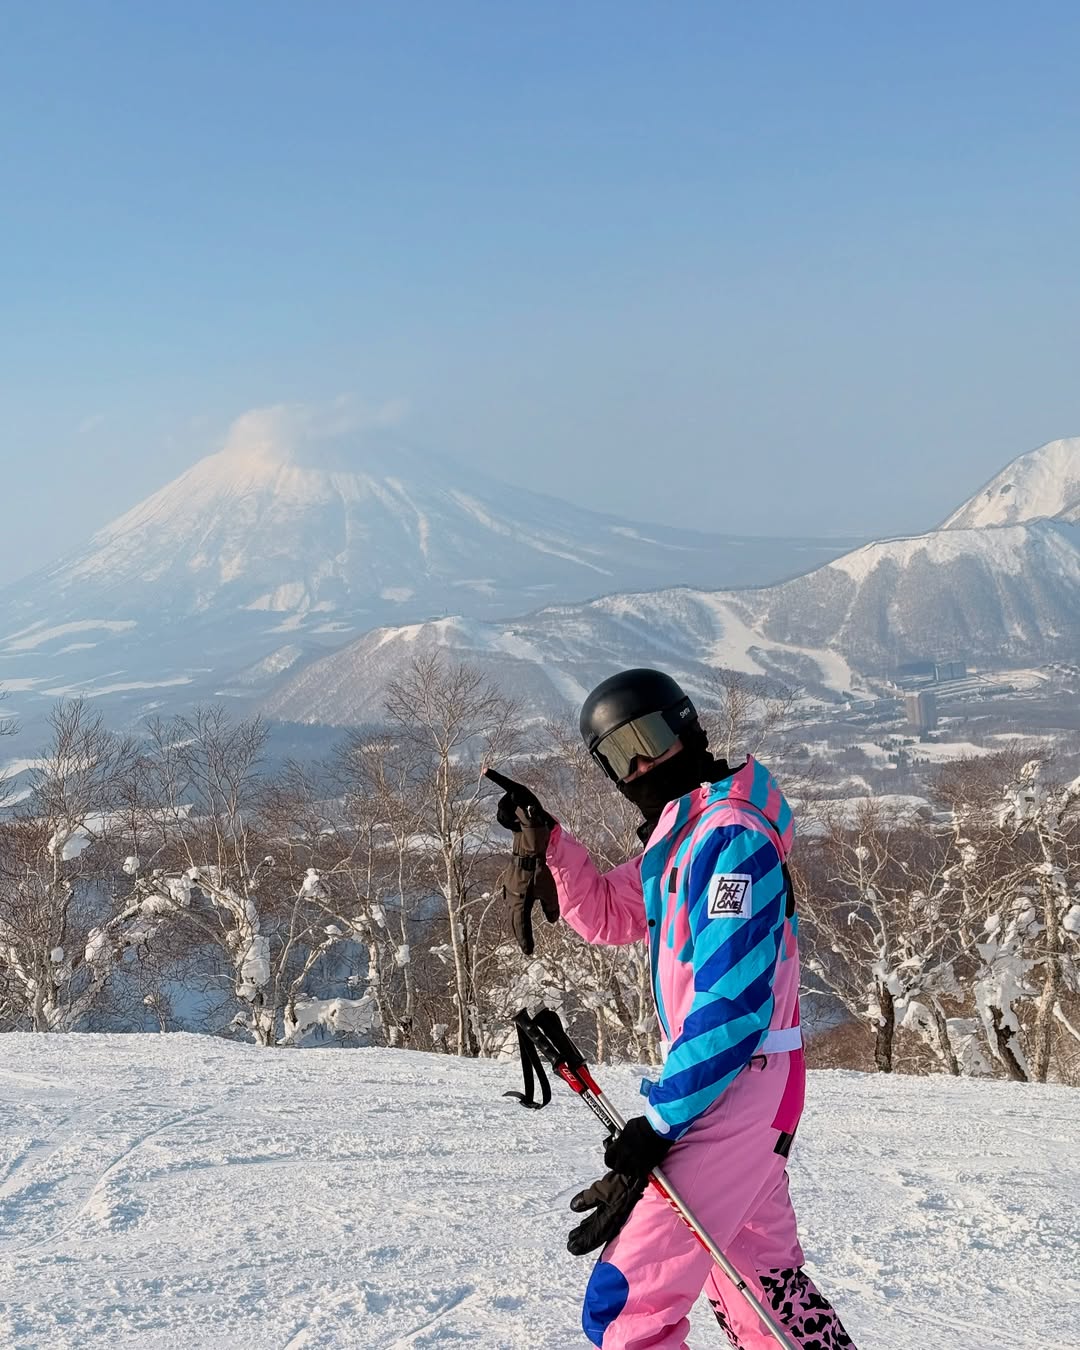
[547, 1033]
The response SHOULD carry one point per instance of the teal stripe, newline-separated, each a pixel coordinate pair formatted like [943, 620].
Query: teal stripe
[688, 1054]
[711, 934]
[682, 1113]
[680, 898]
[653, 867]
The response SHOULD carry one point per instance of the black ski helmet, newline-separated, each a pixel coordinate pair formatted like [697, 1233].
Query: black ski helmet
[638, 712]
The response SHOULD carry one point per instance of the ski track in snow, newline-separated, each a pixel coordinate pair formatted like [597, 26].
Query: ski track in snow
[179, 1191]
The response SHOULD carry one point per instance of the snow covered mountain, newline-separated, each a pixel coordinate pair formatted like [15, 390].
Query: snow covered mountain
[302, 567]
[297, 535]
[333, 531]
[981, 595]
[1043, 483]
[550, 659]
[989, 595]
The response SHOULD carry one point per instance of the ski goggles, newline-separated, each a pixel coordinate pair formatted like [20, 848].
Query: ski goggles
[646, 737]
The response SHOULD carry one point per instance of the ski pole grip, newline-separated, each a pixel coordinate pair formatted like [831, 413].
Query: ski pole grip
[548, 1034]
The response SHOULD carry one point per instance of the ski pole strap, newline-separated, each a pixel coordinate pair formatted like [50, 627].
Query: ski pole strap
[548, 1038]
[532, 1071]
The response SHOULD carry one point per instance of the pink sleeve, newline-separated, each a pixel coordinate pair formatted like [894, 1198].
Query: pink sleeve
[607, 908]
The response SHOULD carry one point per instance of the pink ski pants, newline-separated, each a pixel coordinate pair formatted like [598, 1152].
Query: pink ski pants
[728, 1170]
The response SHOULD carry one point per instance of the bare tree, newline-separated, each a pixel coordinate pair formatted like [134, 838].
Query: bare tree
[451, 720]
[748, 715]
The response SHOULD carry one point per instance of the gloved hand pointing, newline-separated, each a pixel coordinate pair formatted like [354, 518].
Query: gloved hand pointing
[519, 807]
[526, 878]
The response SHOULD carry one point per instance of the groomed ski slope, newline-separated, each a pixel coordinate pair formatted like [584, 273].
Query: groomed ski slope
[180, 1191]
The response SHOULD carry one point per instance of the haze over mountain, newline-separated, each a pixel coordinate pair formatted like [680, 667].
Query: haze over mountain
[305, 530]
[1043, 483]
[304, 565]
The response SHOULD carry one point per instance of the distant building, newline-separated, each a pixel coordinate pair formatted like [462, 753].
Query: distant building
[949, 670]
[921, 711]
[916, 670]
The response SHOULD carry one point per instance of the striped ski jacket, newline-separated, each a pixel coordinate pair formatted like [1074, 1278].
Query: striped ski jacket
[710, 895]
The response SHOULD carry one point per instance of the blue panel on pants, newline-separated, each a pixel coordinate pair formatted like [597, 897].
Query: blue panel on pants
[605, 1299]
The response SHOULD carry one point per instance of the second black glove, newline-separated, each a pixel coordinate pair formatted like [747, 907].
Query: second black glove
[611, 1199]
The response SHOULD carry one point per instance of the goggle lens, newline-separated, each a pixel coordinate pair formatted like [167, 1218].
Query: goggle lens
[646, 737]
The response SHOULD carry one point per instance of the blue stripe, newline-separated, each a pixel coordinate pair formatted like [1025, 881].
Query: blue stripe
[749, 934]
[734, 959]
[688, 1088]
[697, 1095]
[703, 864]
[704, 1028]
[750, 854]
[742, 973]
[605, 1298]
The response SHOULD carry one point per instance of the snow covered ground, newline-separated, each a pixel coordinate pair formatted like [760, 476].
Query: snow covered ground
[178, 1191]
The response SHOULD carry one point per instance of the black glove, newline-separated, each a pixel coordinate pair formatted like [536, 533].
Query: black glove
[611, 1198]
[526, 878]
[636, 1149]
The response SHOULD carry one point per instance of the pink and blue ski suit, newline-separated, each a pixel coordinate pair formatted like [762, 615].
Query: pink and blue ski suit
[710, 894]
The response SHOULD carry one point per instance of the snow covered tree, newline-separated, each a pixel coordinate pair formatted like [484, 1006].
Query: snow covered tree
[886, 931]
[382, 833]
[202, 830]
[61, 933]
[1017, 841]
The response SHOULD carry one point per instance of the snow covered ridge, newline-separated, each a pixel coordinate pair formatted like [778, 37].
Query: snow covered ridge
[550, 659]
[999, 595]
[992, 595]
[179, 1193]
[1044, 483]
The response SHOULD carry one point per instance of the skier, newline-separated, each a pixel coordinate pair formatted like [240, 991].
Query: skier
[712, 895]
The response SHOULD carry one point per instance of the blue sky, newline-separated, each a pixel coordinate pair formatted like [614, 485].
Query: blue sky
[771, 267]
